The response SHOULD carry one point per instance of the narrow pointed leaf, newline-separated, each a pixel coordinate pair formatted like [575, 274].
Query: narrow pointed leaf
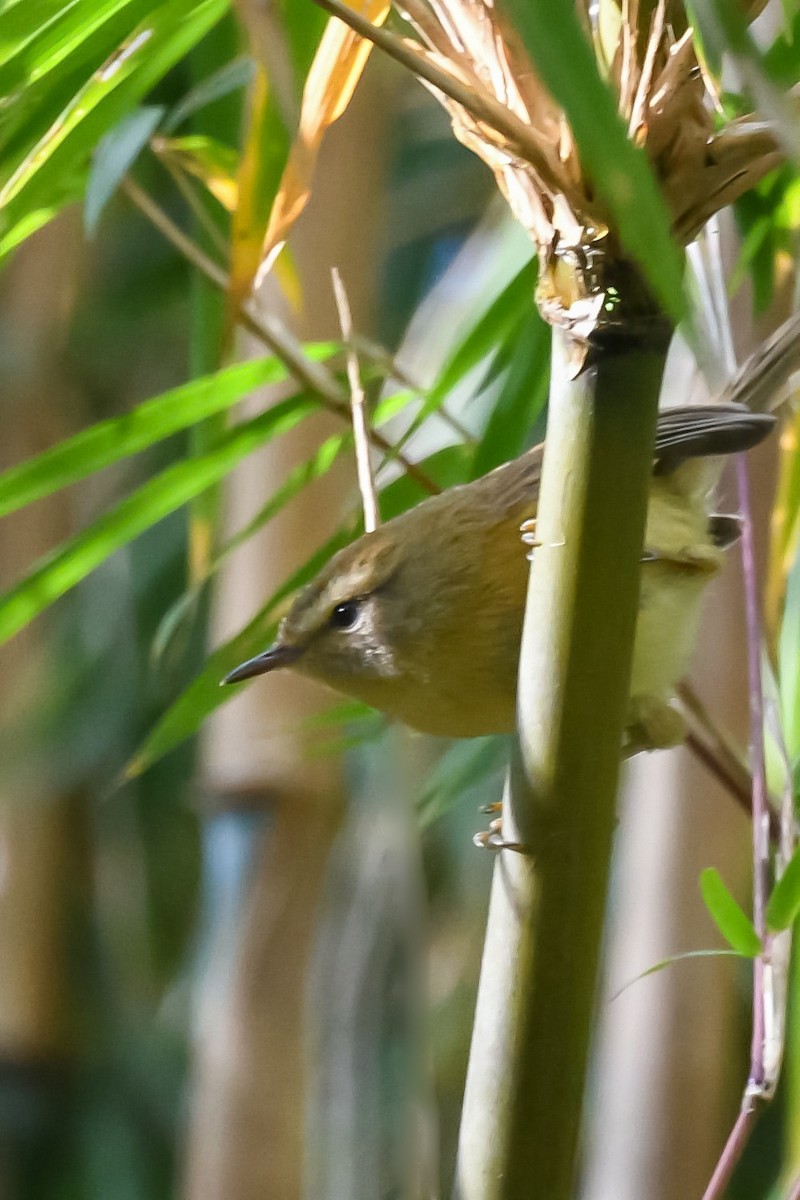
[72, 561]
[227, 79]
[784, 903]
[483, 339]
[205, 694]
[522, 398]
[119, 437]
[329, 86]
[727, 914]
[208, 160]
[677, 958]
[53, 168]
[114, 156]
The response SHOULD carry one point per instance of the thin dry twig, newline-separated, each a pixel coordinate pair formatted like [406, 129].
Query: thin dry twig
[366, 479]
[271, 333]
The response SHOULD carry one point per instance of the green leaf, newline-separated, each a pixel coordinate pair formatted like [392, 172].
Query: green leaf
[40, 36]
[24, 228]
[231, 77]
[491, 328]
[52, 169]
[72, 561]
[620, 171]
[204, 694]
[522, 398]
[677, 958]
[113, 158]
[784, 903]
[483, 339]
[119, 437]
[728, 916]
[293, 485]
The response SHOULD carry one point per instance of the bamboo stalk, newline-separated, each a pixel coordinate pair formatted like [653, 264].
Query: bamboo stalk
[525, 1082]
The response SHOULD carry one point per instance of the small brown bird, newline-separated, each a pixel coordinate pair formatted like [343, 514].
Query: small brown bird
[422, 618]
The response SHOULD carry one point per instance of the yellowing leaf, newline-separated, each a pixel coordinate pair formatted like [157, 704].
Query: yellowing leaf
[207, 159]
[264, 152]
[335, 71]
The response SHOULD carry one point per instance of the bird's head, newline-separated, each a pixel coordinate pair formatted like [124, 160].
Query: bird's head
[349, 626]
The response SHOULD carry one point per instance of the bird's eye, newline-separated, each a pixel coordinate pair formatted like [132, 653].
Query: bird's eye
[344, 616]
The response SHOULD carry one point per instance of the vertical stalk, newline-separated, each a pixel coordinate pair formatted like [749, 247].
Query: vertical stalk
[527, 1067]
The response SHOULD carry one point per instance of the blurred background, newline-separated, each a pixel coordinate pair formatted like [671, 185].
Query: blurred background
[240, 942]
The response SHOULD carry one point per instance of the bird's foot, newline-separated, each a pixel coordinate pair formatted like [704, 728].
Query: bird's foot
[528, 531]
[492, 838]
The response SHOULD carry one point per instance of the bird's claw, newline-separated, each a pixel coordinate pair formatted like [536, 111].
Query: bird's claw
[529, 538]
[492, 838]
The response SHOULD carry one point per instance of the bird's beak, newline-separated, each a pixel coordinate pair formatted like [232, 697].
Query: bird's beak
[277, 656]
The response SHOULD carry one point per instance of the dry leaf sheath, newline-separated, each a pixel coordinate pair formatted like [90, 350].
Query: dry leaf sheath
[476, 64]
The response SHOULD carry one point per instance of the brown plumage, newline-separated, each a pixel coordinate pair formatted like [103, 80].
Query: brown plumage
[422, 618]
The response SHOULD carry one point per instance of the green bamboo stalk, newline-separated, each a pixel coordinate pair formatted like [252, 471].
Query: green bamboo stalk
[522, 1107]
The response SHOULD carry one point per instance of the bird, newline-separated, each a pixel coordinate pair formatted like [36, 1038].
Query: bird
[422, 618]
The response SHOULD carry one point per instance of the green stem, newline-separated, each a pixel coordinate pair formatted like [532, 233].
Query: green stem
[525, 1084]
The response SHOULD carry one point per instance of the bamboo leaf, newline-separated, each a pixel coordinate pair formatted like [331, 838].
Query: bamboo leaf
[728, 916]
[227, 79]
[204, 694]
[563, 58]
[119, 437]
[784, 903]
[297, 480]
[53, 169]
[329, 86]
[491, 329]
[40, 36]
[73, 560]
[113, 158]
[677, 958]
[264, 152]
[522, 398]
[208, 160]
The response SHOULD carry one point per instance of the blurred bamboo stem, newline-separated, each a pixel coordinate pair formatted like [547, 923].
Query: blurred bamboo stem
[270, 332]
[526, 1076]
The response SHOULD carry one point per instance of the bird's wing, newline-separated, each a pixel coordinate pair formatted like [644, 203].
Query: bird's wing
[706, 430]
